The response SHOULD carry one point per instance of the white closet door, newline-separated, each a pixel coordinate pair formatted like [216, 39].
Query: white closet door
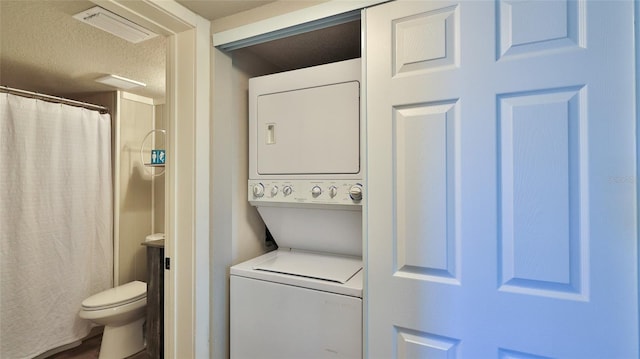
[501, 204]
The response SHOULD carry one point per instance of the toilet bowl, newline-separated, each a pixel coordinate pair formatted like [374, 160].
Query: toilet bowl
[122, 312]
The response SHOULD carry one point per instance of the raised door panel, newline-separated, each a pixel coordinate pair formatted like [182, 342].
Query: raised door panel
[426, 144]
[535, 27]
[543, 236]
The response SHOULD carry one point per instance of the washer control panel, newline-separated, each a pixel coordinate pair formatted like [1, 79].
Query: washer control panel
[345, 192]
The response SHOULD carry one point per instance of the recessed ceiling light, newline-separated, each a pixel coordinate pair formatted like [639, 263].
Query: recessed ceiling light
[120, 82]
[115, 24]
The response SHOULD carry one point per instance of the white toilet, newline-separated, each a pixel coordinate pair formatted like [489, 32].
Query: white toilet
[122, 312]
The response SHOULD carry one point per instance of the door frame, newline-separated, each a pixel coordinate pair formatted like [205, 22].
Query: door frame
[636, 30]
[186, 334]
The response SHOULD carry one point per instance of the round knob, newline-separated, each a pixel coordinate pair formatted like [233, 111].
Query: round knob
[355, 192]
[274, 191]
[258, 190]
[316, 191]
[333, 191]
[287, 190]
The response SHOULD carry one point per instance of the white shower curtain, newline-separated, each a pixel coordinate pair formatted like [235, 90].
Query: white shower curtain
[56, 242]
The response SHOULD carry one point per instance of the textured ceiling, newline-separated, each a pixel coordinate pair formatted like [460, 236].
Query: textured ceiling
[44, 49]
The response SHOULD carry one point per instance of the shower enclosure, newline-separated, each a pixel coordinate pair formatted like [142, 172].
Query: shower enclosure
[56, 221]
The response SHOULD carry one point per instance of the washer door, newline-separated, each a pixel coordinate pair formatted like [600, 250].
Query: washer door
[273, 320]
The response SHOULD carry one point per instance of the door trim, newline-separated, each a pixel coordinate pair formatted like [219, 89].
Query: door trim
[187, 172]
[636, 30]
[290, 23]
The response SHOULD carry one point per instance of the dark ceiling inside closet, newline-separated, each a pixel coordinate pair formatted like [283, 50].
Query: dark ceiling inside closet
[331, 44]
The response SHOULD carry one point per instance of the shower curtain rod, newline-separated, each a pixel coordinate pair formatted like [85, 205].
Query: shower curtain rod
[55, 99]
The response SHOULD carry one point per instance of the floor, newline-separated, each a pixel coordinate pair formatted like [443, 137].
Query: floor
[89, 349]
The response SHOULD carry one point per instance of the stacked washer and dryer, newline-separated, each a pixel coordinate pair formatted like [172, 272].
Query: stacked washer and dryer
[303, 300]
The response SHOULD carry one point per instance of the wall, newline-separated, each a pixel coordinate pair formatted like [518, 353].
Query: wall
[249, 241]
[237, 230]
[158, 181]
[135, 200]
[247, 230]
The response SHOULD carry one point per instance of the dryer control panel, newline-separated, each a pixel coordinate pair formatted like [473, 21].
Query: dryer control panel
[342, 192]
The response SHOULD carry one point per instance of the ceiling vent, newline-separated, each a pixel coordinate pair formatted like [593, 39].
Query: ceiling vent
[115, 24]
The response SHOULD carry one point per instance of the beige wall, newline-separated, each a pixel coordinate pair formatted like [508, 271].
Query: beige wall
[140, 211]
[158, 181]
[106, 99]
[250, 229]
[237, 231]
[135, 121]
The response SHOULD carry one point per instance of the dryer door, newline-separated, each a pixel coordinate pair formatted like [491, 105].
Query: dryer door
[310, 131]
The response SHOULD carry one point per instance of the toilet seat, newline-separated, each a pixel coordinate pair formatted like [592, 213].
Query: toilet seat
[115, 297]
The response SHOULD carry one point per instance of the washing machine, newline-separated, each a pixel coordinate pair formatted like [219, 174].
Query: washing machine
[296, 303]
[303, 300]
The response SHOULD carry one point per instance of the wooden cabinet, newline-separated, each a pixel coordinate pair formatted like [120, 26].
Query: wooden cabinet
[155, 298]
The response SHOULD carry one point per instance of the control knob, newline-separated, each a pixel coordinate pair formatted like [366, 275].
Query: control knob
[258, 190]
[316, 191]
[274, 191]
[333, 191]
[287, 190]
[355, 192]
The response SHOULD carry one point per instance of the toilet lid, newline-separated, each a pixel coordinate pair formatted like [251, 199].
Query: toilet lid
[119, 295]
